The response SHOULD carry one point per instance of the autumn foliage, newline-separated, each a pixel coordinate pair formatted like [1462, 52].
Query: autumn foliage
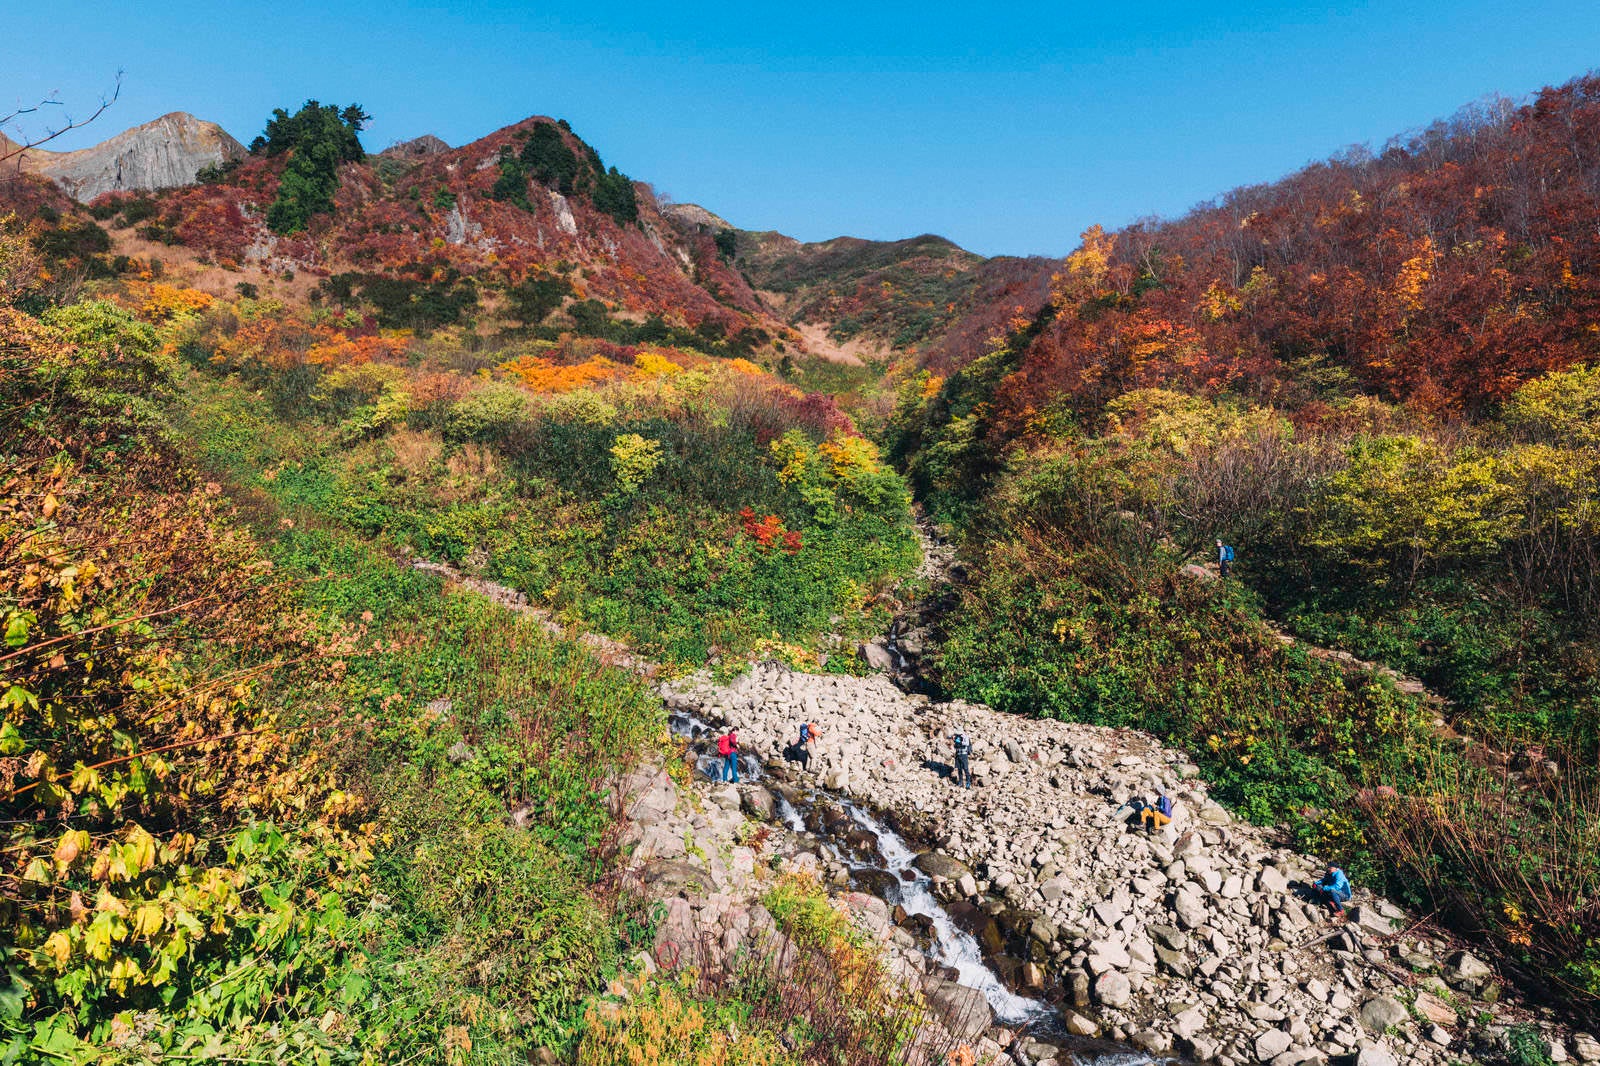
[1443, 272]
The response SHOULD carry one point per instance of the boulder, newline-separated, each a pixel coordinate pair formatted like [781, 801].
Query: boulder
[676, 943]
[1271, 879]
[1175, 961]
[1113, 989]
[1369, 920]
[1381, 1013]
[1108, 955]
[1013, 750]
[1435, 1009]
[1375, 1055]
[1190, 908]
[1271, 1043]
[1078, 1025]
[668, 878]
[877, 656]
[1466, 971]
[937, 864]
[1585, 1047]
[1151, 1041]
[759, 803]
[963, 1010]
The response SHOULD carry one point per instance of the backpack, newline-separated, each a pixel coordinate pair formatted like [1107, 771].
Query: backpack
[805, 732]
[725, 744]
[1227, 553]
[962, 747]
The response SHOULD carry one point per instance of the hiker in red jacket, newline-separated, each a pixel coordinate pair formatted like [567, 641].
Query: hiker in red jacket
[728, 748]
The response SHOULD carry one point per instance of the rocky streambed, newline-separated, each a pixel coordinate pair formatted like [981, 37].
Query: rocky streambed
[1196, 941]
[693, 855]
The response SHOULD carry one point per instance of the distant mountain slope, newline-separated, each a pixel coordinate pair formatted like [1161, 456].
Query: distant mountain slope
[159, 154]
[925, 293]
[427, 214]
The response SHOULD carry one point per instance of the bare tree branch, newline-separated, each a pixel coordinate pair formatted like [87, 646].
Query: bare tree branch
[17, 148]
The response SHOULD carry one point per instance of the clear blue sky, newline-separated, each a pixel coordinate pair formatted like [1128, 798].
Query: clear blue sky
[1006, 127]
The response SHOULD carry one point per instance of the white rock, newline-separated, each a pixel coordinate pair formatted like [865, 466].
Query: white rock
[1271, 1043]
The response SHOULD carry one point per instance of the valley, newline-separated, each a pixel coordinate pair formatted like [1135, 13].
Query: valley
[385, 539]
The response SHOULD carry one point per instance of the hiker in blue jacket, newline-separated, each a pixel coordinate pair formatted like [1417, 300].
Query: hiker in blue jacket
[1224, 557]
[1334, 888]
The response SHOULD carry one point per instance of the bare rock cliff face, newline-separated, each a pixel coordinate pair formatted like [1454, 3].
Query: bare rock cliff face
[157, 155]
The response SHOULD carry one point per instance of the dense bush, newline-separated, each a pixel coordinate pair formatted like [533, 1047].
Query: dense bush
[610, 489]
[231, 827]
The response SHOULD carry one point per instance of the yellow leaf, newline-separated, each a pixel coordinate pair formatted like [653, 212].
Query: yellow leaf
[147, 920]
[72, 844]
[59, 947]
[51, 505]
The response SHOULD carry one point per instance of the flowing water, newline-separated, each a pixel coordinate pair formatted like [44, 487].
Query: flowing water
[950, 945]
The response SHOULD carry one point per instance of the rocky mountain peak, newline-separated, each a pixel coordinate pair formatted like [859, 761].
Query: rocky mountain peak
[416, 148]
[159, 154]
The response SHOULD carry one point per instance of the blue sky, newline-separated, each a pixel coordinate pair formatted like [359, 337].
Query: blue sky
[1008, 128]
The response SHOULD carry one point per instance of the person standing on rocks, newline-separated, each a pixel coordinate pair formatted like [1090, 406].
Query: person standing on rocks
[728, 748]
[963, 755]
[1224, 558]
[802, 750]
[1334, 888]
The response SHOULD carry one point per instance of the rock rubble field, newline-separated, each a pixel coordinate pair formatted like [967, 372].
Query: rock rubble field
[1194, 941]
[696, 863]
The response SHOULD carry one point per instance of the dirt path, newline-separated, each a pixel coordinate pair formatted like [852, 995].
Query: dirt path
[1343, 659]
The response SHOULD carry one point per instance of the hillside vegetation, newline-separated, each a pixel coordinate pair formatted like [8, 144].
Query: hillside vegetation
[270, 792]
[1374, 379]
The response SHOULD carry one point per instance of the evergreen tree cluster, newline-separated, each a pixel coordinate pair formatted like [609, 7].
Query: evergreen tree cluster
[548, 159]
[317, 139]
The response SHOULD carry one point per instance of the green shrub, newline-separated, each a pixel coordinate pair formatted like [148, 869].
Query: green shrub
[548, 159]
[487, 413]
[511, 186]
[318, 138]
[614, 195]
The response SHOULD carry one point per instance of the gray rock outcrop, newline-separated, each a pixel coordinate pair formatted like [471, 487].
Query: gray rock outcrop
[160, 154]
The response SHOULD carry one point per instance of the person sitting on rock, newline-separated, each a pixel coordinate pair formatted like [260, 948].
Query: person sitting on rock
[1334, 889]
[728, 748]
[1157, 816]
[963, 754]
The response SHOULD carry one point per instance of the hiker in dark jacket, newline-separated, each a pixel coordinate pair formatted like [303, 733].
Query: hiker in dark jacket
[963, 754]
[802, 750]
[728, 748]
[1334, 888]
[1224, 558]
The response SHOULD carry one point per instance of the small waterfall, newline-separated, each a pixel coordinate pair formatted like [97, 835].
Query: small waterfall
[953, 947]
